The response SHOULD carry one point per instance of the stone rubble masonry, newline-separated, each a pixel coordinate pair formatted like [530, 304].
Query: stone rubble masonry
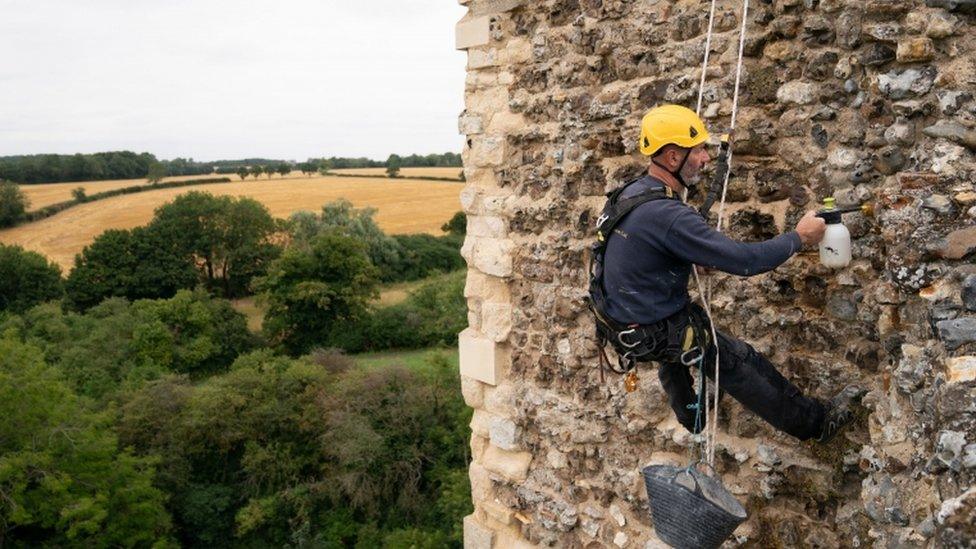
[865, 100]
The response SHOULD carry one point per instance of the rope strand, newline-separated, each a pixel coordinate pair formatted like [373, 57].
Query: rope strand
[711, 430]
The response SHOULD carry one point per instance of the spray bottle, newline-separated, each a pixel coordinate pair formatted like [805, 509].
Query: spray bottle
[835, 248]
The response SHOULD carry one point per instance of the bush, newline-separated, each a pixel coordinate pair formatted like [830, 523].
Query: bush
[423, 255]
[26, 279]
[13, 204]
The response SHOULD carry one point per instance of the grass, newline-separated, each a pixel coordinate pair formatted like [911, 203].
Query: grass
[248, 307]
[403, 206]
[392, 294]
[415, 360]
[412, 172]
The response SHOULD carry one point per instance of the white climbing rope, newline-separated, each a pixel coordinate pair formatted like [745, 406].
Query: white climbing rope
[708, 48]
[711, 429]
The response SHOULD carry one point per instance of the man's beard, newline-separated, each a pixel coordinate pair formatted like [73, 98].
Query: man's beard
[691, 177]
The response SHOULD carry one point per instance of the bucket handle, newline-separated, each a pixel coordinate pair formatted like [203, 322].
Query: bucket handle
[692, 467]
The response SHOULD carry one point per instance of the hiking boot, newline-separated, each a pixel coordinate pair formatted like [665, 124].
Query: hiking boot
[840, 412]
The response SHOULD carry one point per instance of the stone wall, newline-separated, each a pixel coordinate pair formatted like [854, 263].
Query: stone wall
[865, 100]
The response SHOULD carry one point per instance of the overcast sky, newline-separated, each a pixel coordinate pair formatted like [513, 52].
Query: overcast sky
[216, 79]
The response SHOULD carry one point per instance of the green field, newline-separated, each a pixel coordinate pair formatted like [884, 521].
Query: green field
[419, 360]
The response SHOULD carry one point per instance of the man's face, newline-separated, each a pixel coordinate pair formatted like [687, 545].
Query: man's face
[691, 171]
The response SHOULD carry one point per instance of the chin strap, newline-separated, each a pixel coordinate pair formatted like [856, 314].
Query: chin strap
[691, 189]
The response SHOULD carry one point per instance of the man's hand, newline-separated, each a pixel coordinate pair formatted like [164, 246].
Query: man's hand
[811, 228]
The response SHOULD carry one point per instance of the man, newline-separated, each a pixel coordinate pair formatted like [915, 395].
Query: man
[647, 261]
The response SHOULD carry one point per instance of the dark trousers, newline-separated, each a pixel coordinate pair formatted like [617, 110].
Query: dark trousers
[752, 380]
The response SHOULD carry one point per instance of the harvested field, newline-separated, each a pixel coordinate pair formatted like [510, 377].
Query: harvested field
[406, 206]
[412, 172]
[45, 194]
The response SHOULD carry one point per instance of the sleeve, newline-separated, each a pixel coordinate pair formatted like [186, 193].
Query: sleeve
[690, 238]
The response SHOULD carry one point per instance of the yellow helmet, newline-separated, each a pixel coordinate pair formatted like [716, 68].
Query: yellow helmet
[671, 125]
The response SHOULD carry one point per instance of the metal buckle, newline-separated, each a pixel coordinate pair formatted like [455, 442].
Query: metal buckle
[601, 220]
[620, 338]
[692, 356]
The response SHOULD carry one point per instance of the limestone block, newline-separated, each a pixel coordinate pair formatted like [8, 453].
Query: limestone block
[503, 433]
[482, 358]
[498, 512]
[480, 478]
[496, 6]
[496, 320]
[481, 423]
[500, 399]
[517, 51]
[487, 151]
[478, 446]
[960, 369]
[513, 466]
[487, 226]
[506, 122]
[480, 59]
[469, 124]
[477, 536]
[488, 100]
[486, 287]
[491, 256]
[473, 392]
[472, 32]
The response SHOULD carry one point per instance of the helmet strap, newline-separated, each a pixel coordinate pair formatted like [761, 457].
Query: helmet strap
[693, 190]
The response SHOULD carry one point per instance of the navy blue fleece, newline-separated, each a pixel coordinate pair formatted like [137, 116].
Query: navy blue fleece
[649, 257]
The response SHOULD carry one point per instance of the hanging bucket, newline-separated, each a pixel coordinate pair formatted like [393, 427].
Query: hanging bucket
[689, 508]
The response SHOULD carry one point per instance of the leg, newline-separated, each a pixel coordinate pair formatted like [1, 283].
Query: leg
[679, 385]
[752, 380]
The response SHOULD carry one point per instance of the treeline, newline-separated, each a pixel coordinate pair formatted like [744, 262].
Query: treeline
[137, 409]
[448, 160]
[53, 168]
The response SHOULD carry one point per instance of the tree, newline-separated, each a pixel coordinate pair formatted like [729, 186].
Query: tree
[229, 239]
[269, 170]
[243, 172]
[284, 169]
[13, 204]
[135, 264]
[458, 225]
[65, 482]
[26, 279]
[78, 193]
[256, 171]
[312, 289]
[156, 172]
[324, 166]
[393, 166]
[383, 250]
